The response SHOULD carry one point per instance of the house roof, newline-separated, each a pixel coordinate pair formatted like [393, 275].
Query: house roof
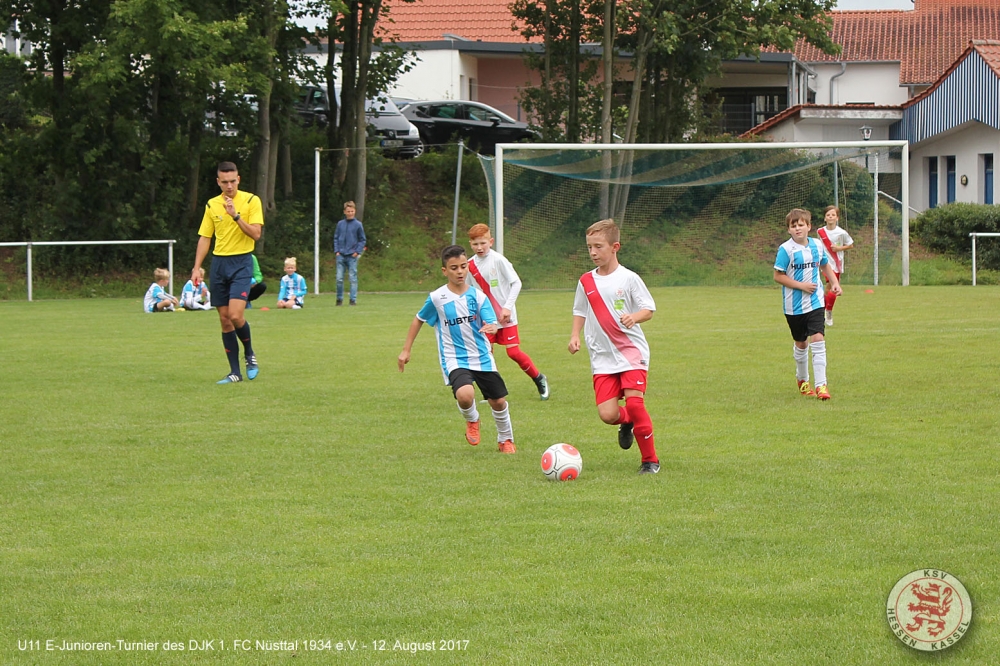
[866, 112]
[474, 20]
[925, 40]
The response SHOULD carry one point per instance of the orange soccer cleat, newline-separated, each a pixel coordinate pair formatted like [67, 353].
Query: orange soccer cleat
[506, 446]
[805, 389]
[472, 432]
[822, 392]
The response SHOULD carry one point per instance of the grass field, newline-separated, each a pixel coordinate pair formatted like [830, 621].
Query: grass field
[334, 499]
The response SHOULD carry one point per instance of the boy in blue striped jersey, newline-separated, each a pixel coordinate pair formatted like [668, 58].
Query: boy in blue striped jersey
[797, 269]
[463, 317]
[292, 294]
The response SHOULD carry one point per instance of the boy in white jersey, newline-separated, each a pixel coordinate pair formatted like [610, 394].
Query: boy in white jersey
[495, 276]
[292, 294]
[611, 301]
[156, 298]
[463, 318]
[196, 296]
[796, 268]
[836, 241]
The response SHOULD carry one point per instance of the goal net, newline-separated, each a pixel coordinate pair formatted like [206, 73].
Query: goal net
[695, 214]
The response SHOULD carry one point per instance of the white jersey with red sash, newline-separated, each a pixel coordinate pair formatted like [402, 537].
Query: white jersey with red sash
[602, 300]
[495, 276]
[831, 237]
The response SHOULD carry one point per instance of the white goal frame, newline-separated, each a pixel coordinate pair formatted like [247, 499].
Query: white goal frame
[903, 145]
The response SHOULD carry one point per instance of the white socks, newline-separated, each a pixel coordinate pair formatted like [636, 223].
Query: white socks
[505, 430]
[818, 350]
[801, 363]
[471, 414]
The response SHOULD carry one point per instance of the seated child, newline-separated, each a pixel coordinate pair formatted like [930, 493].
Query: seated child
[196, 296]
[292, 293]
[156, 298]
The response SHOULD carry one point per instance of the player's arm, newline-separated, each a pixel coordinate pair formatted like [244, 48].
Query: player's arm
[831, 277]
[411, 335]
[204, 244]
[786, 280]
[630, 319]
[489, 318]
[514, 290]
[574, 336]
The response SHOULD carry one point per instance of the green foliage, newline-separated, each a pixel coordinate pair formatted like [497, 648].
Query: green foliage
[946, 229]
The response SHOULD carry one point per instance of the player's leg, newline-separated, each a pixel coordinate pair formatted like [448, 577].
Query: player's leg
[340, 279]
[462, 388]
[817, 346]
[634, 385]
[352, 274]
[800, 352]
[239, 292]
[220, 281]
[509, 338]
[829, 298]
[492, 386]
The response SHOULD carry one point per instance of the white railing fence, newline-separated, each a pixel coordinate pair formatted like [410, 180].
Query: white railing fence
[30, 244]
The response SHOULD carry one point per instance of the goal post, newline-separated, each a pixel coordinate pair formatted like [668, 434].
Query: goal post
[697, 213]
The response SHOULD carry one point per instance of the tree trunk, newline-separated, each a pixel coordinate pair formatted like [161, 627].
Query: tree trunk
[573, 107]
[261, 169]
[609, 80]
[286, 169]
[272, 167]
[620, 200]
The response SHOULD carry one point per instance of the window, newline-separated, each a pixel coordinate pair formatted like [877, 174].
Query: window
[950, 177]
[988, 178]
[932, 182]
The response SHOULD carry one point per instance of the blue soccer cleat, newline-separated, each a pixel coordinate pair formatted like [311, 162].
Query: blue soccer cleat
[230, 379]
[252, 368]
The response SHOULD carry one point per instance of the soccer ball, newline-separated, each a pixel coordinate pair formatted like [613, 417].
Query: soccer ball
[561, 462]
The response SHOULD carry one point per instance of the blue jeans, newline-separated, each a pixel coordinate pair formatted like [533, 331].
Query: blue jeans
[351, 264]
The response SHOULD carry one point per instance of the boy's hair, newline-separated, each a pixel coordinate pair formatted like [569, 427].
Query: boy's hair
[450, 252]
[478, 230]
[797, 214]
[161, 274]
[201, 272]
[225, 167]
[351, 204]
[829, 208]
[606, 228]
[290, 261]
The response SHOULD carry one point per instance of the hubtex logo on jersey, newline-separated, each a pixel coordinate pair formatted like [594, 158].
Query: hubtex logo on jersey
[929, 609]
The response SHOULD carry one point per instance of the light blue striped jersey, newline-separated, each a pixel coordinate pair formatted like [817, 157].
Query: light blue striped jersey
[802, 263]
[292, 285]
[154, 295]
[457, 319]
[191, 293]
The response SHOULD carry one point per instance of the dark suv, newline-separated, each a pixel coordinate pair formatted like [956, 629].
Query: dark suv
[480, 126]
[386, 125]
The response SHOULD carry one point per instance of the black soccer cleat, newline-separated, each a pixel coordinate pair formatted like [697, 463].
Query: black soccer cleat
[649, 468]
[543, 386]
[625, 436]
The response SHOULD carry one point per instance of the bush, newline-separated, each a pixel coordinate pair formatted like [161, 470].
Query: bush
[946, 229]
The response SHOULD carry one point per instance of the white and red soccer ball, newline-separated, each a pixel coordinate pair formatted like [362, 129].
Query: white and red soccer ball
[561, 462]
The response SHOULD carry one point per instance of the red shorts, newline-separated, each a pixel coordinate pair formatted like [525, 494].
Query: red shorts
[505, 336]
[611, 387]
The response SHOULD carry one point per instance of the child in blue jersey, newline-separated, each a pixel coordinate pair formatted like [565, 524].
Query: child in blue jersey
[463, 318]
[797, 269]
[196, 296]
[156, 298]
[293, 290]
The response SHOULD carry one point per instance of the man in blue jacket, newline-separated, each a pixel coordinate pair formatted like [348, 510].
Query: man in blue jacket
[348, 243]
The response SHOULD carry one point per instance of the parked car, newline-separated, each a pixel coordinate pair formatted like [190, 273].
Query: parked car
[479, 125]
[386, 125]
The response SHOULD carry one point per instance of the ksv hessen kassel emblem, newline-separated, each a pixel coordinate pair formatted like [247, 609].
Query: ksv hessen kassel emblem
[929, 610]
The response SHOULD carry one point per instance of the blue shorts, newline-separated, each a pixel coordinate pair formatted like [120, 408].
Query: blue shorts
[230, 278]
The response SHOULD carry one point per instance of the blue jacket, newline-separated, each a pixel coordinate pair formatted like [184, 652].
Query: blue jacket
[349, 237]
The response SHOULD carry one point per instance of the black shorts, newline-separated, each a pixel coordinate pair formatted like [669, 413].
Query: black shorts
[490, 383]
[805, 325]
[230, 278]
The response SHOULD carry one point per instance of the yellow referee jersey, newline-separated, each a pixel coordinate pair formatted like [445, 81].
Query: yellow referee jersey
[229, 238]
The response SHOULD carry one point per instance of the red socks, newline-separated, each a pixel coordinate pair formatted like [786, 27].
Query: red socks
[515, 354]
[635, 407]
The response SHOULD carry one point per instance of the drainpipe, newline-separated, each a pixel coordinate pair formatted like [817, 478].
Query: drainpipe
[843, 68]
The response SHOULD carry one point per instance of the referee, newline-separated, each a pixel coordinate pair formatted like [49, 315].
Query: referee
[235, 219]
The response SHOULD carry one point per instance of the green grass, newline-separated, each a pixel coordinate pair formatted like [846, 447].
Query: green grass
[335, 498]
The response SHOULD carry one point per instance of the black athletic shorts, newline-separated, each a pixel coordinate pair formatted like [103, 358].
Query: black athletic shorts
[230, 278]
[490, 383]
[805, 325]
